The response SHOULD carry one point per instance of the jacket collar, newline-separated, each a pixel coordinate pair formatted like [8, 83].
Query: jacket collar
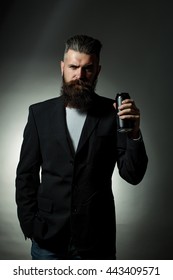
[90, 124]
[61, 126]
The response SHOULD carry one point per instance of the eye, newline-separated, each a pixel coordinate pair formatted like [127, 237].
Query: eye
[89, 68]
[73, 67]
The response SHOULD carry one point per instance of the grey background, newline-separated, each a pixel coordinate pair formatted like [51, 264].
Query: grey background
[136, 57]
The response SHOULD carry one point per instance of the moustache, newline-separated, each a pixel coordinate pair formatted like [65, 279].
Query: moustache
[79, 84]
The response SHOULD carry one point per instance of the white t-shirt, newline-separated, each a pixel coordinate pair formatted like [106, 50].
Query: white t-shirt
[75, 121]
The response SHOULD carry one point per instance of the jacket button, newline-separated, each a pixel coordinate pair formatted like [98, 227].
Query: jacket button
[74, 210]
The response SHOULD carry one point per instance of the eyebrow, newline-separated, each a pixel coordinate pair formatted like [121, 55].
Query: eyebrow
[85, 66]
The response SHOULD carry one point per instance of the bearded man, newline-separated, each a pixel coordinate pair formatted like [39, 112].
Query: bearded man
[64, 193]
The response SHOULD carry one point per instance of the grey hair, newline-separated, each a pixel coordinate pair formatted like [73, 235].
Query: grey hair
[83, 44]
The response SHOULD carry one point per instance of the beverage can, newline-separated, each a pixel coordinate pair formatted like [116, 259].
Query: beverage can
[123, 125]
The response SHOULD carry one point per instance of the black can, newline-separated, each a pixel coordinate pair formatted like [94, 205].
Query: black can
[123, 125]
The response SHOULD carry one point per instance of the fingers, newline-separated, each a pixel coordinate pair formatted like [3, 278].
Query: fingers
[128, 110]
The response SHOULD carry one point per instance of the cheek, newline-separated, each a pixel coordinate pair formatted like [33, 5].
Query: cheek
[92, 77]
[68, 75]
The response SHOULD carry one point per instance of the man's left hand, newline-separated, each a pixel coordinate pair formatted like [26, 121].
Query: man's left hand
[128, 110]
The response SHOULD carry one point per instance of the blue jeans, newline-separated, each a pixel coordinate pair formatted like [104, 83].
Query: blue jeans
[39, 253]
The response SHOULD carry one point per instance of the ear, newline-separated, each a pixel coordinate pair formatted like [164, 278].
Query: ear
[62, 67]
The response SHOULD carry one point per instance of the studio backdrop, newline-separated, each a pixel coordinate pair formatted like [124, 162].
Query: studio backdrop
[136, 58]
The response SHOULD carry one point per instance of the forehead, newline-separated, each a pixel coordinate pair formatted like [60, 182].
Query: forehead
[74, 57]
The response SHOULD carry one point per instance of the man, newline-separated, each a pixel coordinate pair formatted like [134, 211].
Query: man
[72, 142]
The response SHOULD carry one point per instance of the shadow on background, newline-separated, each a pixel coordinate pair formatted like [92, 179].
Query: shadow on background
[136, 57]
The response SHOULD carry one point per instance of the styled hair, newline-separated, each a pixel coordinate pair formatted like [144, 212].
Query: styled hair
[84, 44]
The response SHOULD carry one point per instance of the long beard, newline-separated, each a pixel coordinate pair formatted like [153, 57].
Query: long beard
[78, 94]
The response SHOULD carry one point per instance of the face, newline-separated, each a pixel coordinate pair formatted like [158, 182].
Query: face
[79, 73]
[79, 66]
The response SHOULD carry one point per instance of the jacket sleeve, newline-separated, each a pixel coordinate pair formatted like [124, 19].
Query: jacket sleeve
[27, 179]
[132, 158]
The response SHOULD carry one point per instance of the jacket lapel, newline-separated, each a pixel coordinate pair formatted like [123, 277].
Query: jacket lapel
[60, 126]
[91, 122]
[87, 130]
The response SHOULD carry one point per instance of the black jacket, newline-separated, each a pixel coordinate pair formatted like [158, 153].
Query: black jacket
[74, 200]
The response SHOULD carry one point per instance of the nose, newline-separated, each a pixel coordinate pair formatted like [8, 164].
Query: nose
[80, 73]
